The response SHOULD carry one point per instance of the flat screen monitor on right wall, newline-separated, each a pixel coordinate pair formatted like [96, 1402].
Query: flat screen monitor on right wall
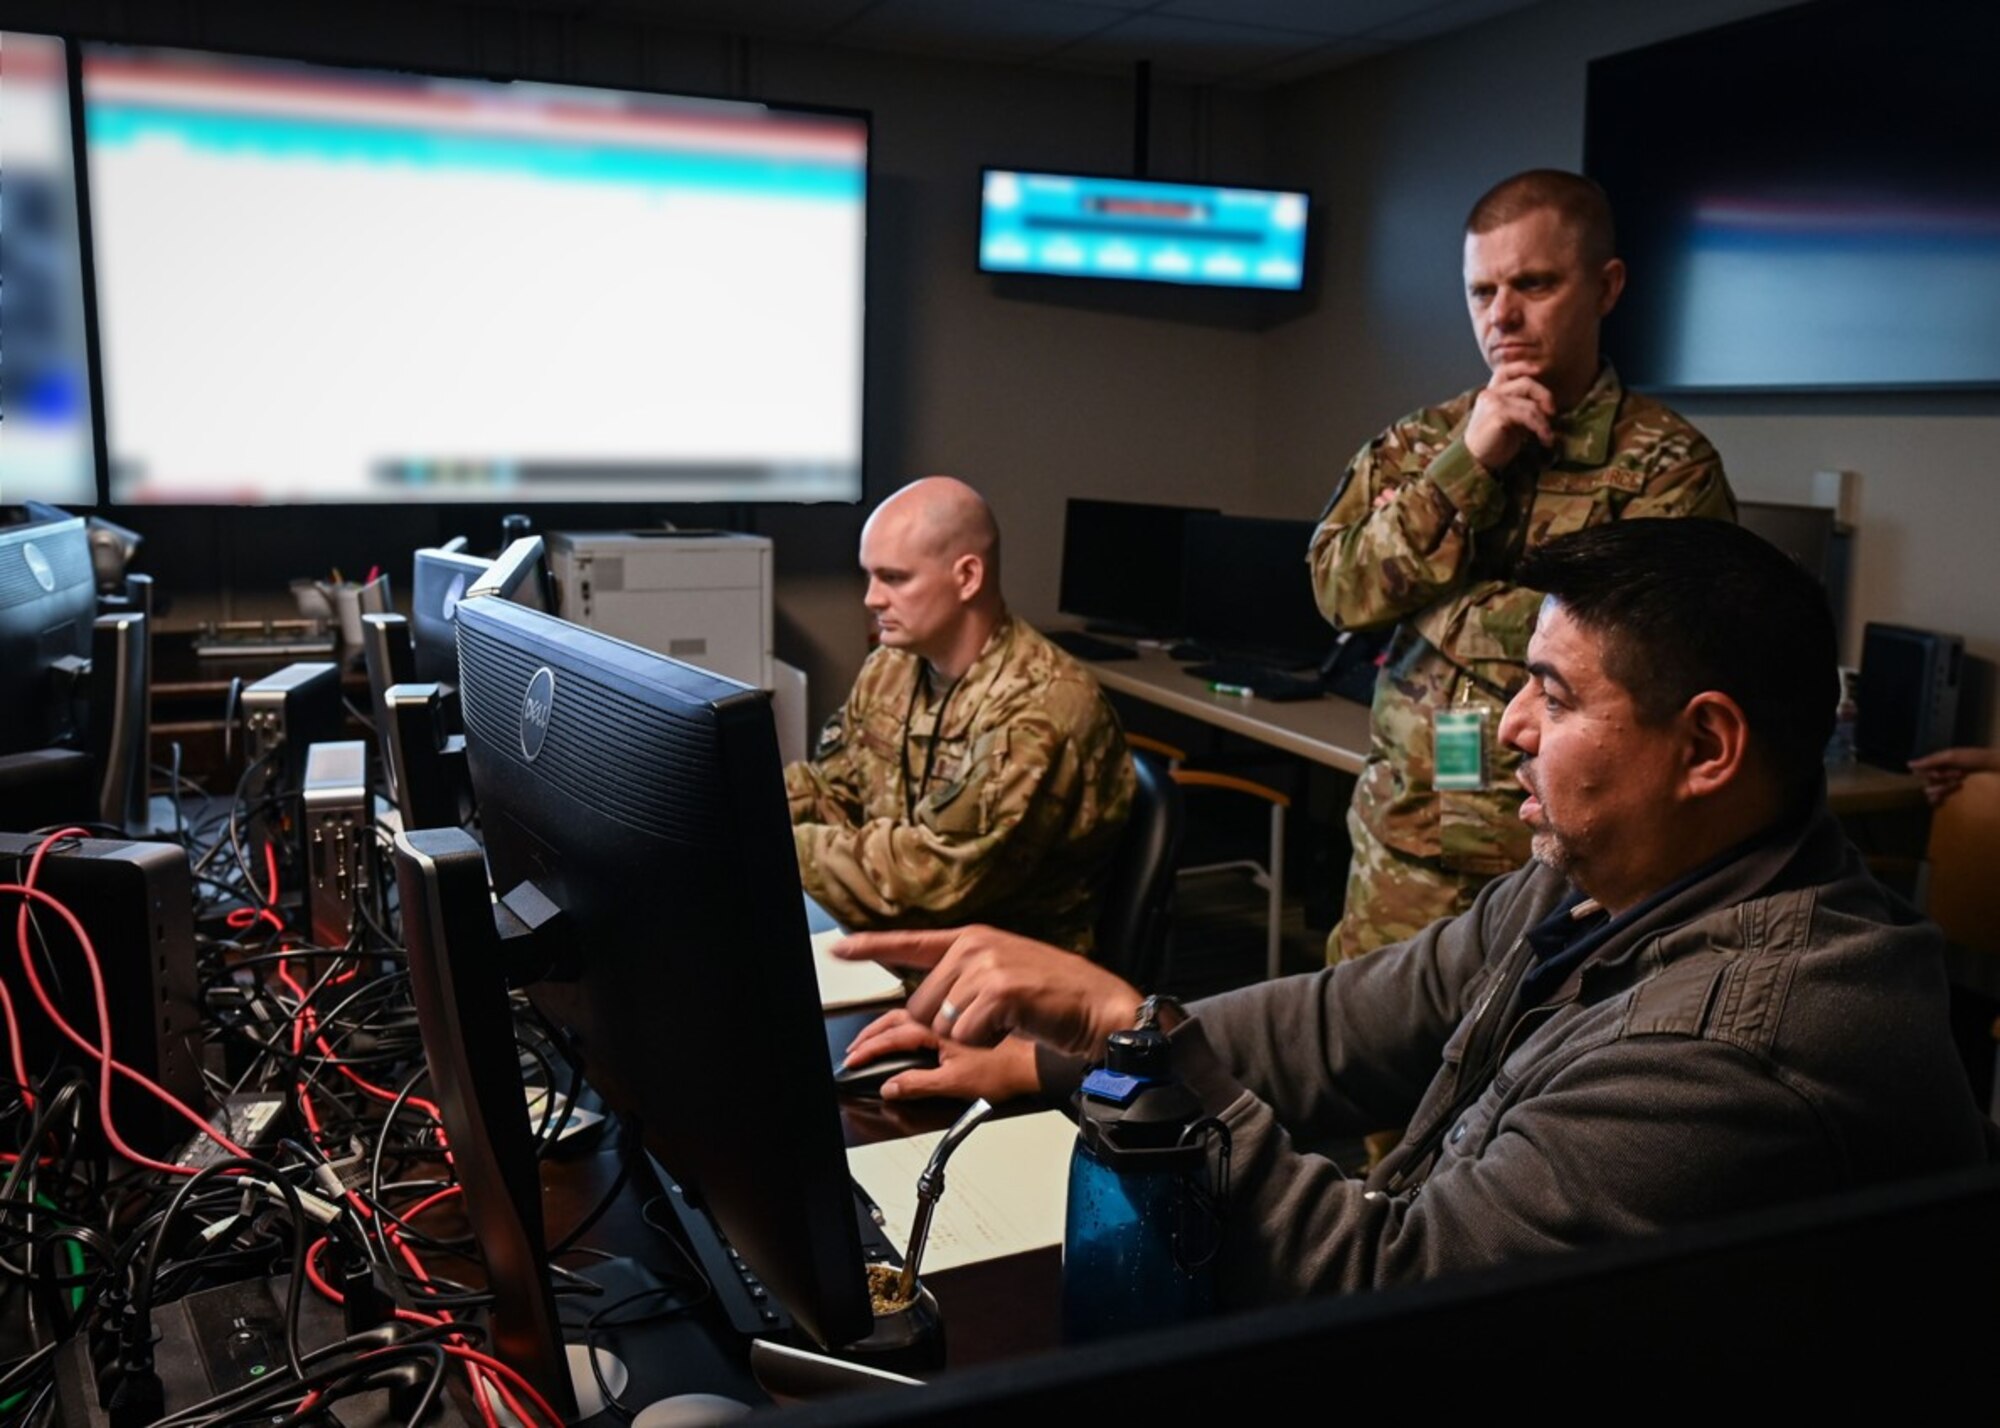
[1806, 200]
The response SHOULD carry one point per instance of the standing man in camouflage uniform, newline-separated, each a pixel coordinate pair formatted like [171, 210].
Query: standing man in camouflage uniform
[1430, 520]
[976, 773]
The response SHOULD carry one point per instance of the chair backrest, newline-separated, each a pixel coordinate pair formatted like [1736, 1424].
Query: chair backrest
[1965, 864]
[1138, 893]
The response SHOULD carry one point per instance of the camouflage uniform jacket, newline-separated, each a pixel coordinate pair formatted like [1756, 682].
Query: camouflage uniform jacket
[1438, 555]
[1027, 793]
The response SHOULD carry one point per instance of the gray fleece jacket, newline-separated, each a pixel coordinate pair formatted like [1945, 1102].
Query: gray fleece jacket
[1776, 1029]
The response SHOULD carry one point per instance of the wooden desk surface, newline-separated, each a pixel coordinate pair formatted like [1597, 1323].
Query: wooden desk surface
[1326, 731]
[1334, 731]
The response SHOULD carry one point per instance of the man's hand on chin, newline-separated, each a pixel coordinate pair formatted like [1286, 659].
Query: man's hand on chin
[1512, 409]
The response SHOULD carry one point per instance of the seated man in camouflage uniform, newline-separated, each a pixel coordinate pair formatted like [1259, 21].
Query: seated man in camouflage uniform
[1432, 517]
[976, 773]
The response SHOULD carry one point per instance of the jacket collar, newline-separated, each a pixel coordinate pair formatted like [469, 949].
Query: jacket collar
[970, 690]
[1583, 433]
[1805, 846]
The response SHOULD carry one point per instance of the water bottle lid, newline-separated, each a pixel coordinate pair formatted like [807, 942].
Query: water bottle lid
[1142, 1053]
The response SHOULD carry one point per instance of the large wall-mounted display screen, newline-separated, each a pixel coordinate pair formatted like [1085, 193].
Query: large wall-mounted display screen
[319, 284]
[1203, 235]
[45, 436]
[1826, 214]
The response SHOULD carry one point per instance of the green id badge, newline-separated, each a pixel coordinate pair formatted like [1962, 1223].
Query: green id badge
[1459, 757]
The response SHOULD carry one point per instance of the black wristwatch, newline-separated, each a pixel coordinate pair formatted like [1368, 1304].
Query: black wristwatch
[1159, 1013]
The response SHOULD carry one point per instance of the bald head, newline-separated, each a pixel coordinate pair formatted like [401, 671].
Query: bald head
[932, 556]
[947, 519]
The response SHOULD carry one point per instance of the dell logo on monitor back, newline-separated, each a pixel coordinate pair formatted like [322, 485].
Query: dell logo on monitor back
[38, 566]
[535, 709]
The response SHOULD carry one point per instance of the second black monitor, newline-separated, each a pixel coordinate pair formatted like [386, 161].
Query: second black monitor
[1121, 566]
[1249, 593]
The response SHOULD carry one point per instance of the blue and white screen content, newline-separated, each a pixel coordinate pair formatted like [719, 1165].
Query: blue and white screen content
[45, 437]
[1075, 226]
[336, 285]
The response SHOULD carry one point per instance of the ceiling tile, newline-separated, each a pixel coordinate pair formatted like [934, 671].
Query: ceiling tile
[982, 29]
[769, 19]
[1450, 15]
[1323, 60]
[1317, 17]
[1195, 49]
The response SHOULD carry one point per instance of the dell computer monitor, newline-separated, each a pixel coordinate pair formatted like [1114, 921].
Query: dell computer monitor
[439, 582]
[520, 573]
[644, 798]
[48, 601]
[1249, 592]
[1121, 565]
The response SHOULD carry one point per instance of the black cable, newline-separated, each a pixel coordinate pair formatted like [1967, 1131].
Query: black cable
[142, 1293]
[253, 1399]
[610, 1197]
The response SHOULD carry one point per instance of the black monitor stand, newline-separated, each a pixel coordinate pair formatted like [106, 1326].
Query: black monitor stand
[458, 979]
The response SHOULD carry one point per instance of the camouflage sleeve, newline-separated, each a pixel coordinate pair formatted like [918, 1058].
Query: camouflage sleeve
[975, 840]
[815, 797]
[1687, 481]
[1392, 543]
[827, 787]
[1492, 619]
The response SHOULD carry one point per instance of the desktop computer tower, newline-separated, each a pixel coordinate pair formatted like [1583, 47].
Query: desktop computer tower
[339, 839]
[284, 714]
[136, 902]
[1908, 702]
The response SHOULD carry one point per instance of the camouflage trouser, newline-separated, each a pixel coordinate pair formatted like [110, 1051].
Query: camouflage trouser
[1392, 896]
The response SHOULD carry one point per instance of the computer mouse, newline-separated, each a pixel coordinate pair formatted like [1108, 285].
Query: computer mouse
[867, 1079]
[690, 1410]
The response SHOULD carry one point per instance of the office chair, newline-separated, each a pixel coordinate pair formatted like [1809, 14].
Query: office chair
[1269, 874]
[1138, 894]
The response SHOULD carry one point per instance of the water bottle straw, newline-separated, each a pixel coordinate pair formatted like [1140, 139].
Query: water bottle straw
[930, 1189]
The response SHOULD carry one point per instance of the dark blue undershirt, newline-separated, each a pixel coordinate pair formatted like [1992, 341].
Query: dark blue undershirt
[1562, 941]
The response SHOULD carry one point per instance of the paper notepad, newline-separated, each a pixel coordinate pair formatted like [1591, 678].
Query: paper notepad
[1006, 1188]
[850, 984]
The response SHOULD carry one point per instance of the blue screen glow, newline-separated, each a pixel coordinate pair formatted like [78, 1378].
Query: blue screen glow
[1075, 226]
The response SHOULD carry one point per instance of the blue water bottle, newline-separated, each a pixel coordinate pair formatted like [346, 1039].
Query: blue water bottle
[1147, 1184]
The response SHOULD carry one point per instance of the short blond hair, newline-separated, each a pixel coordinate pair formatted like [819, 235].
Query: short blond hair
[1580, 201]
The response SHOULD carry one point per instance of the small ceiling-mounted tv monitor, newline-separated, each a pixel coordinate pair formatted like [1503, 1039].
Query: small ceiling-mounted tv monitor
[1142, 230]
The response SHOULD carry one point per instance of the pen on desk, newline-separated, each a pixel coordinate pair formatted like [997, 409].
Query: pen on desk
[1241, 691]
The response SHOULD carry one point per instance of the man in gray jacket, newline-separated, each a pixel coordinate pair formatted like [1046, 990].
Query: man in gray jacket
[1695, 1000]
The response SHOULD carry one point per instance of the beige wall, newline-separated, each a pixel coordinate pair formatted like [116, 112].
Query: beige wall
[1396, 150]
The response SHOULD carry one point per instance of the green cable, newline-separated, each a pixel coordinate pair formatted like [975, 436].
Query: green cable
[75, 1257]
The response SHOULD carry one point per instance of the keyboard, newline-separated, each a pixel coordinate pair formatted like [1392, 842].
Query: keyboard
[751, 1308]
[1260, 679]
[1087, 646]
